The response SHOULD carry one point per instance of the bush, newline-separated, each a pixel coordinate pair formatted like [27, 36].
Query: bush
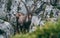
[50, 30]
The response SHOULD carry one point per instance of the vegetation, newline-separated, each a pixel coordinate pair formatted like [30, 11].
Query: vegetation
[49, 30]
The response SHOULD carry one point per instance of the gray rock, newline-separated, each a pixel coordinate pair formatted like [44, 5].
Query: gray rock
[6, 29]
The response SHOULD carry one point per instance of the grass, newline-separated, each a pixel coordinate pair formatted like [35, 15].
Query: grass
[49, 30]
[28, 35]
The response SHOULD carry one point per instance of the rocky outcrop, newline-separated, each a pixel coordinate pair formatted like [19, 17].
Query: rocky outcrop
[6, 29]
[43, 8]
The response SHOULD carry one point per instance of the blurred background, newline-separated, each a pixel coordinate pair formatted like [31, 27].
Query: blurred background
[29, 18]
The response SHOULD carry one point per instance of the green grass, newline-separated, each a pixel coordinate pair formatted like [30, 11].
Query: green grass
[24, 36]
[49, 30]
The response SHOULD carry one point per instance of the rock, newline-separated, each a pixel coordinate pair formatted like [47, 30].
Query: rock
[6, 29]
[35, 20]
